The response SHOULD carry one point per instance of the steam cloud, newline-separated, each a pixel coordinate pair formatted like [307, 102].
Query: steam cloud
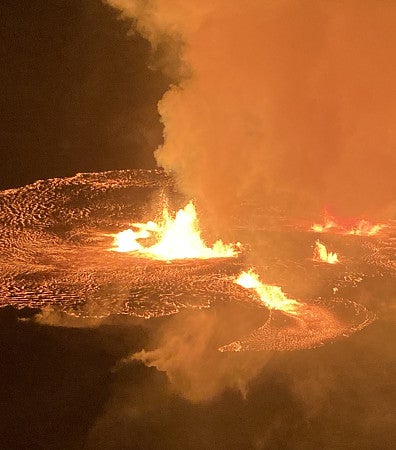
[287, 103]
[186, 350]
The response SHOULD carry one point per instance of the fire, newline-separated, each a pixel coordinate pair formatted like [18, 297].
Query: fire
[321, 254]
[272, 296]
[356, 227]
[177, 237]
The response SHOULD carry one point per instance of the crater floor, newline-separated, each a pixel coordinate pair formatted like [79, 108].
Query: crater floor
[55, 236]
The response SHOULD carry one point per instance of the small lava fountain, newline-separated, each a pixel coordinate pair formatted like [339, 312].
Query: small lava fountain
[359, 227]
[272, 296]
[322, 254]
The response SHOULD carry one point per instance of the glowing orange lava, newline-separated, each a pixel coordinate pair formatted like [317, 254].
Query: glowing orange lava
[321, 254]
[356, 227]
[177, 237]
[365, 228]
[272, 296]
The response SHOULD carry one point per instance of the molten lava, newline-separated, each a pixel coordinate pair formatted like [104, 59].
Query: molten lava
[356, 227]
[177, 237]
[272, 296]
[321, 254]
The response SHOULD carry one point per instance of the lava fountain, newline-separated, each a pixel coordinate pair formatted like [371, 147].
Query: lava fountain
[175, 237]
[272, 296]
[358, 227]
[322, 254]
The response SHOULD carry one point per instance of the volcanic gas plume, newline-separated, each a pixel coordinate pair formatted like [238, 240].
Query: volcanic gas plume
[291, 102]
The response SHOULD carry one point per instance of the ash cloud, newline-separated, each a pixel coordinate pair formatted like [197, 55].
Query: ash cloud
[283, 103]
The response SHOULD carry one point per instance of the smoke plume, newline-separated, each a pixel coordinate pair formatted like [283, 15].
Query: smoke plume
[287, 103]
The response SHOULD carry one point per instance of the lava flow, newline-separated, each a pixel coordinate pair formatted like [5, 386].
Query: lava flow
[177, 237]
[322, 254]
[355, 227]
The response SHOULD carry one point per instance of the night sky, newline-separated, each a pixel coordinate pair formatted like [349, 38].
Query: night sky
[78, 95]
[76, 92]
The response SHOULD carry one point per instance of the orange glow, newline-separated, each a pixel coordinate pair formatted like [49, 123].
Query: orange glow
[321, 254]
[272, 296]
[364, 228]
[177, 237]
[356, 227]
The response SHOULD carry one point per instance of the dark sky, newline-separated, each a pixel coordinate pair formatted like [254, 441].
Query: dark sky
[76, 91]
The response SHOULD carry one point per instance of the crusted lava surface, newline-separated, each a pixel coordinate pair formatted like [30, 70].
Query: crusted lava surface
[55, 240]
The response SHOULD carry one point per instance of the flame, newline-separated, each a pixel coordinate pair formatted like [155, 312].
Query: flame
[272, 296]
[321, 254]
[176, 237]
[358, 228]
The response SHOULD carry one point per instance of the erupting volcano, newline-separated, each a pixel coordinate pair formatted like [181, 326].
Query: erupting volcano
[247, 139]
[220, 271]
